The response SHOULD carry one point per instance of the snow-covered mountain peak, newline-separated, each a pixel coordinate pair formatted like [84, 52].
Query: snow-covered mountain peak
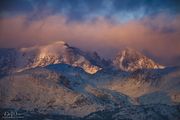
[130, 60]
[54, 53]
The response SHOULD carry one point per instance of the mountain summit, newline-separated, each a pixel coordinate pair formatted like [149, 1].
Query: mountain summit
[54, 53]
[60, 52]
[131, 60]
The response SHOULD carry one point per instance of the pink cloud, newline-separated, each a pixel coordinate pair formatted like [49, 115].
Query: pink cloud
[101, 35]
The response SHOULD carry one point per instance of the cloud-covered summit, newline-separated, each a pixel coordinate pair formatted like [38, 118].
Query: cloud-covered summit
[151, 26]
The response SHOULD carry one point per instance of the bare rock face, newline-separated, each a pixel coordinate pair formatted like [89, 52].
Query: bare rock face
[132, 60]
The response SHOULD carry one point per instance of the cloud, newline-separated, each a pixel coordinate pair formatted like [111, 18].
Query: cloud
[158, 36]
[83, 10]
[150, 6]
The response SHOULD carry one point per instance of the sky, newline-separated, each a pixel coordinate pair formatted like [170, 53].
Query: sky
[105, 26]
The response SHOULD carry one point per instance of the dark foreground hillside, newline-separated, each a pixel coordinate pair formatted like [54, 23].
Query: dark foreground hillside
[139, 112]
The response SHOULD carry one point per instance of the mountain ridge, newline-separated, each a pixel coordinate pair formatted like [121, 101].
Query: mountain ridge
[60, 52]
[53, 80]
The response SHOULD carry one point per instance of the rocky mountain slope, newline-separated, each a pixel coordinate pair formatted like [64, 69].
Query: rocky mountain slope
[143, 112]
[146, 112]
[63, 80]
[145, 86]
[49, 90]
